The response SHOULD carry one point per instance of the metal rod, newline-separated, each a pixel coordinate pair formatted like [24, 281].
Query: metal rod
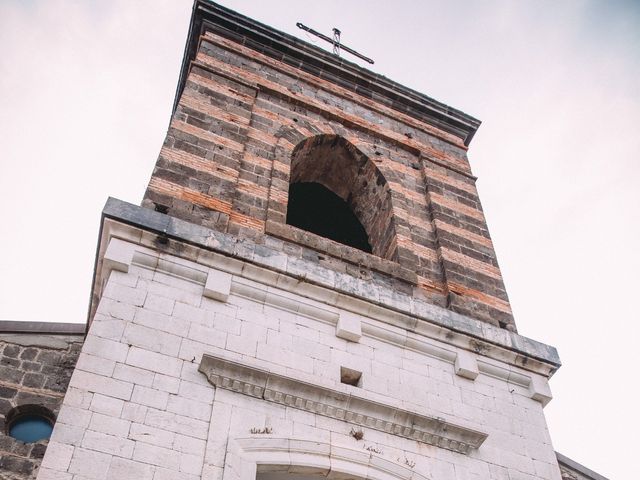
[333, 42]
[336, 41]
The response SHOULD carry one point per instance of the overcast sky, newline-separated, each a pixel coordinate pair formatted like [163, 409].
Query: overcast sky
[86, 90]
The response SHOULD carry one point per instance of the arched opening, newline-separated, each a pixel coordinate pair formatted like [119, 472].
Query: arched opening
[316, 209]
[337, 192]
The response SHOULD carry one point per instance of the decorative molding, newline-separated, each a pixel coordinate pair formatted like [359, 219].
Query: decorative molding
[249, 456]
[348, 407]
[204, 248]
[264, 286]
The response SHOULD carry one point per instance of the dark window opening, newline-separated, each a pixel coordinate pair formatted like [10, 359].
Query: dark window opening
[349, 376]
[316, 209]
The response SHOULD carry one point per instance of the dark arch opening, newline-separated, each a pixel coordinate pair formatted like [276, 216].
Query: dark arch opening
[316, 209]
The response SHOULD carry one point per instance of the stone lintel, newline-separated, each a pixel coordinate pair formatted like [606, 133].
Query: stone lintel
[349, 407]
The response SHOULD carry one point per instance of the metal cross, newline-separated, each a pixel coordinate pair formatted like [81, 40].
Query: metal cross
[335, 41]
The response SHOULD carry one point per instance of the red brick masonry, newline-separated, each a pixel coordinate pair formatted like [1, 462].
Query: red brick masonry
[241, 122]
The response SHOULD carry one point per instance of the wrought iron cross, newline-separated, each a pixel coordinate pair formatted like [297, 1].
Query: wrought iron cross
[335, 41]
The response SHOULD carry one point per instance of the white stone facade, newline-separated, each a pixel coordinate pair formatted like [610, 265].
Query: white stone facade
[139, 408]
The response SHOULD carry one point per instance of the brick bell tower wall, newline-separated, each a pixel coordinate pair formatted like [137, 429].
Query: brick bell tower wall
[227, 162]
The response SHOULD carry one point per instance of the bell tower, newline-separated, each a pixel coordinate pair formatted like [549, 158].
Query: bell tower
[308, 289]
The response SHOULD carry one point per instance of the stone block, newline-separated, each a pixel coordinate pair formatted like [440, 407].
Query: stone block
[152, 435]
[89, 464]
[58, 457]
[150, 397]
[113, 445]
[158, 303]
[104, 348]
[166, 383]
[106, 405]
[99, 384]
[201, 393]
[109, 425]
[90, 363]
[177, 423]
[466, 365]
[189, 408]
[49, 474]
[124, 294]
[134, 412]
[154, 362]
[67, 434]
[218, 285]
[151, 339]
[185, 444]
[118, 256]
[74, 416]
[349, 327]
[122, 468]
[154, 455]
[539, 390]
[131, 374]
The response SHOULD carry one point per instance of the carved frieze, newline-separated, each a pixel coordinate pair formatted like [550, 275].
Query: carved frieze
[348, 407]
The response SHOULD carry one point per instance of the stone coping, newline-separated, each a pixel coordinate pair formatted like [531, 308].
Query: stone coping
[208, 15]
[352, 407]
[337, 250]
[50, 328]
[581, 469]
[375, 293]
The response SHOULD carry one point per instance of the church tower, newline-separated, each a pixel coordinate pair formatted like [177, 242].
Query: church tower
[309, 289]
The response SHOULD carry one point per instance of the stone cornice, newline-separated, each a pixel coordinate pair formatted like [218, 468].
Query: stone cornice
[239, 257]
[349, 407]
[208, 16]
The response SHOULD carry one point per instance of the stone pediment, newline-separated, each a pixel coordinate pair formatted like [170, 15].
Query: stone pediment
[349, 407]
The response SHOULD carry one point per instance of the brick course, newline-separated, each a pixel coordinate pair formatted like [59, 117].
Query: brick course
[231, 152]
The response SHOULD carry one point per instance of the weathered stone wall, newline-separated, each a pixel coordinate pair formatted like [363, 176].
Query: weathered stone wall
[137, 406]
[35, 369]
[226, 164]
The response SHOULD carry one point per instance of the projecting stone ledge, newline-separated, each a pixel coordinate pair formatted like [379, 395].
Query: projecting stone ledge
[421, 315]
[351, 408]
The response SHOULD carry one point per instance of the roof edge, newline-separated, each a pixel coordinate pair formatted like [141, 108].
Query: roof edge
[573, 465]
[52, 328]
[207, 15]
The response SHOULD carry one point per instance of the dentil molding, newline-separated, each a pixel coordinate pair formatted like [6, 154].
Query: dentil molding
[348, 407]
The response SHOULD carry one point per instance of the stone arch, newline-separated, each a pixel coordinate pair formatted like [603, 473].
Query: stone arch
[337, 165]
[250, 457]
